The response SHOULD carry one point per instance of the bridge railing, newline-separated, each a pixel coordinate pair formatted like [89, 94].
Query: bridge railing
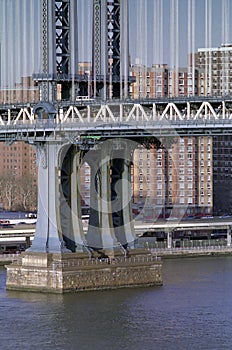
[11, 256]
[173, 112]
[194, 250]
[185, 244]
[133, 260]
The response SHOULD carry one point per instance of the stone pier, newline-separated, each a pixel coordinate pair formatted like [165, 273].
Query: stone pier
[73, 272]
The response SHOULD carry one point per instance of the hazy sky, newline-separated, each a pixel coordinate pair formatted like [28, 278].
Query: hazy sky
[161, 31]
[158, 25]
[159, 28]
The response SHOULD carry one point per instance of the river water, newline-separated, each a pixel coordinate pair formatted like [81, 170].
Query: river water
[192, 310]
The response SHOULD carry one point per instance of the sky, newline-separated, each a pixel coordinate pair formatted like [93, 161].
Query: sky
[162, 35]
[161, 31]
[159, 28]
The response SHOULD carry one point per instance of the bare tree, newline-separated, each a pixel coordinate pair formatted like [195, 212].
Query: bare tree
[18, 194]
[28, 193]
[1, 191]
[9, 191]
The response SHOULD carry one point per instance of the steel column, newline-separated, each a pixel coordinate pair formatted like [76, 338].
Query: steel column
[110, 56]
[59, 62]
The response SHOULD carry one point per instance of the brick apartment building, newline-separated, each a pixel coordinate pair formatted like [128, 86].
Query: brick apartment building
[18, 160]
[25, 91]
[203, 177]
[215, 71]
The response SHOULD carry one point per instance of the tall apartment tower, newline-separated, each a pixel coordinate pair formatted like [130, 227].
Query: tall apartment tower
[140, 89]
[215, 69]
[222, 174]
[175, 181]
[25, 91]
[159, 80]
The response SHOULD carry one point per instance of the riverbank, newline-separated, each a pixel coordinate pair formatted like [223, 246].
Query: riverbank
[169, 253]
[6, 259]
[165, 253]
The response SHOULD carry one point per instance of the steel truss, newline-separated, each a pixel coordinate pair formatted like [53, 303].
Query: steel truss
[59, 50]
[110, 48]
[120, 111]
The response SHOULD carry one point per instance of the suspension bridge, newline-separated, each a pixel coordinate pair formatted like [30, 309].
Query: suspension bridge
[102, 130]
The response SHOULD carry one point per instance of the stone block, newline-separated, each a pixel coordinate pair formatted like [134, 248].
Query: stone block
[72, 272]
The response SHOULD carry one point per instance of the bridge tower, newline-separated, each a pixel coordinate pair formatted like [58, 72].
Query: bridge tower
[59, 50]
[110, 57]
[109, 77]
[63, 257]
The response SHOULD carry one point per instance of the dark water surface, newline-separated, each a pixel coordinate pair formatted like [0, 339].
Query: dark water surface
[192, 310]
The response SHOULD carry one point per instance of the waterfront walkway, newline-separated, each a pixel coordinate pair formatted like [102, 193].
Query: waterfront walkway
[193, 251]
[183, 252]
[8, 258]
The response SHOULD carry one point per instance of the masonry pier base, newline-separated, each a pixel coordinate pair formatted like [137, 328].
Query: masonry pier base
[73, 272]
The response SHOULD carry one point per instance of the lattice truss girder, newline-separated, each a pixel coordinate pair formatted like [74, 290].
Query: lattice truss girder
[96, 38]
[113, 24]
[106, 36]
[44, 37]
[56, 36]
[124, 112]
[62, 25]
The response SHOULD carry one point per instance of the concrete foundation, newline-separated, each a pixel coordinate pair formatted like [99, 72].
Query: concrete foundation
[73, 272]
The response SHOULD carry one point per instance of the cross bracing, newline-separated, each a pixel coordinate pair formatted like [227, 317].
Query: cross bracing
[121, 111]
[119, 118]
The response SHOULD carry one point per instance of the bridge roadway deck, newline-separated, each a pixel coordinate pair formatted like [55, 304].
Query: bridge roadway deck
[107, 119]
[76, 133]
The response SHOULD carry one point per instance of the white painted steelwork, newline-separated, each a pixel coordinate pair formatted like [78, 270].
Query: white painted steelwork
[119, 111]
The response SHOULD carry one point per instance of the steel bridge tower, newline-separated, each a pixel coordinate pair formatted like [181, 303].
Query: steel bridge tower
[59, 50]
[110, 48]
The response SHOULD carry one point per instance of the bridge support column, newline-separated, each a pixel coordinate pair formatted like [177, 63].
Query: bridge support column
[121, 198]
[228, 236]
[100, 232]
[47, 236]
[50, 267]
[70, 206]
[77, 225]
